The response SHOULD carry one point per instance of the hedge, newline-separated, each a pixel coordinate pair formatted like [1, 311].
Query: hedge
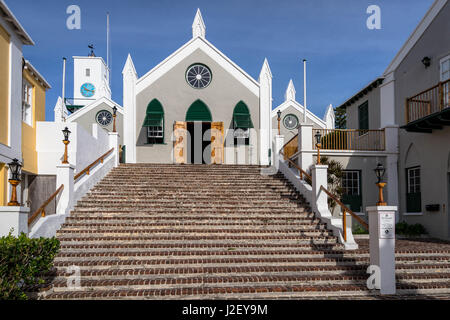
[22, 263]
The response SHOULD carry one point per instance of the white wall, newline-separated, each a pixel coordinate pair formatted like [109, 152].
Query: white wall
[83, 149]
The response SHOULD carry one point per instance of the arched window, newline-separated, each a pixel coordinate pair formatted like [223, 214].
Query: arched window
[154, 121]
[242, 123]
[198, 111]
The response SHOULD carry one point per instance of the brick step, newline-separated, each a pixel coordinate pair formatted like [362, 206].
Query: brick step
[60, 285]
[263, 292]
[202, 246]
[190, 228]
[124, 220]
[211, 238]
[332, 254]
[193, 197]
[213, 224]
[241, 260]
[266, 215]
[191, 202]
[244, 233]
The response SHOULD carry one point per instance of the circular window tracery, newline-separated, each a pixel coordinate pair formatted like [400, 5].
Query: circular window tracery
[198, 76]
[290, 122]
[104, 118]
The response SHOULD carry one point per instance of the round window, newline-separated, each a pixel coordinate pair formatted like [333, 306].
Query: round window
[104, 118]
[198, 76]
[290, 122]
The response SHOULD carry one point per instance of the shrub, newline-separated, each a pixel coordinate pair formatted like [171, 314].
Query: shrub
[22, 263]
[359, 230]
[410, 230]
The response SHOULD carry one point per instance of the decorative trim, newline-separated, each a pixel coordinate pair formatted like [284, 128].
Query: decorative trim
[299, 108]
[94, 104]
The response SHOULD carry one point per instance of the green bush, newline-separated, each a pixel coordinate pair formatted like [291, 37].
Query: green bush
[22, 263]
[403, 228]
[359, 230]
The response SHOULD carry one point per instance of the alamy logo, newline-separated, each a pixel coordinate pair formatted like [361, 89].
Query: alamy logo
[374, 280]
[74, 20]
[374, 20]
[74, 280]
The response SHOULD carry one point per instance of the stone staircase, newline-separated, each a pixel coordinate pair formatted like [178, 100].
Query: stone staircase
[213, 232]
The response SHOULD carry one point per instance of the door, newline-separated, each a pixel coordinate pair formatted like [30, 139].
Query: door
[217, 142]
[180, 142]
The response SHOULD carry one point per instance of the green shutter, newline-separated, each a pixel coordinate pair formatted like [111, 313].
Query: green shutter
[363, 116]
[198, 111]
[155, 114]
[241, 116]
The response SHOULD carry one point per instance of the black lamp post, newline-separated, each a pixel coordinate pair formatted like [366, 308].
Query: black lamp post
[66, 141]
[279, 119]
[114, 116]
[318, 137]
[16, 169]
[380, 171]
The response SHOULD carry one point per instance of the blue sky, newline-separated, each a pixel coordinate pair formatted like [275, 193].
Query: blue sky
[343, 55]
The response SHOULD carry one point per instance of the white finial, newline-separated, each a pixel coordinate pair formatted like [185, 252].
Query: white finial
[265, 70]
[290, 92]
[198, 27]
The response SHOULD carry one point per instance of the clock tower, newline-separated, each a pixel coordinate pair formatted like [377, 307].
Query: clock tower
[91, 80]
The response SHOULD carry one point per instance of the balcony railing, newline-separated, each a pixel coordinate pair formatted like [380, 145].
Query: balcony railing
[351, 140]
[428, 102]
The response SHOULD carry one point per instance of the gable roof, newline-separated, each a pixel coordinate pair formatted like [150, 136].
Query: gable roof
[298, 107]
[15, 24]
[33, 71]
[423, 25]
[91, 106]
[361, 93]
[187, 49]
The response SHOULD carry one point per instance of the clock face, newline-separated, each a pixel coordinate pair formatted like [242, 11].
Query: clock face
[87, 90]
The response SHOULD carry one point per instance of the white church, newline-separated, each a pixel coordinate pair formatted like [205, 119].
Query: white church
[196, 106]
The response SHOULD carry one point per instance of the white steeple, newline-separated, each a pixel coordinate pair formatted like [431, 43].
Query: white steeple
[290, 92]
[198, 26]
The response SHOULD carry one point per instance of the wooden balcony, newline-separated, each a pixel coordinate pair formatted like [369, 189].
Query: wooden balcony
[429, 109]
[342, 140]
[351, 139]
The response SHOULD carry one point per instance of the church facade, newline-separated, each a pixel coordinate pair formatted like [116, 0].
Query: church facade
[197, 106]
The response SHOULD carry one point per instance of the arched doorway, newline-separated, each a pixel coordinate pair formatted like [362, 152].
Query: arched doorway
[198, 111]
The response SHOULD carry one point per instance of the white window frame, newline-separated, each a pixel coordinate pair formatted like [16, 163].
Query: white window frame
[27, 102]
[414, 185]
[441, 63]
[155, 133]
[358, 179]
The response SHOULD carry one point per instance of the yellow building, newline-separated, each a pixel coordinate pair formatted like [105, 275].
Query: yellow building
[22, 103]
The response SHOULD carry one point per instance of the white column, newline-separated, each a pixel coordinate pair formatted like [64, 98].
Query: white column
[387, 101]
[279, 143]
[382, 245]
[64, 176]
[265, 108]
[114, 143]
[320, 198]
[305, 136]
[129, 118]
[392, 149]
[13, 219]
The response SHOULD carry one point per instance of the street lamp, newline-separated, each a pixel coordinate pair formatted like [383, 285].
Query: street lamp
[380, 171]
[66, 141]
[279, 118]
[114, 116]
[318, 137]
[15, 168]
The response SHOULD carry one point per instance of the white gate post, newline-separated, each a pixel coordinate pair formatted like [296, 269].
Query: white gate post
[305, 147]
[382, 245]
[64, 176]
